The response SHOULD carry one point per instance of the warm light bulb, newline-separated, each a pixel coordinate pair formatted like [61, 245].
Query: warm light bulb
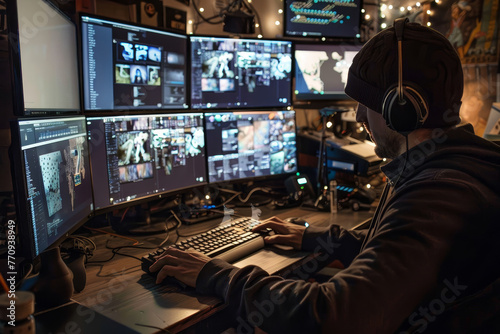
[367, 17]
[207, 196]
[277, 23]
[428, 24]
[368, 186]
[417, 4]
[329, 124]
[402, 9]
[383, 7]
[438, 1]
[382, 16]
[391, 6]
[363, 10]
[383, 26]
[428, 12]
[256, 25]
[259, 36]
[190, 22]
[409, 7]
[202, 10]
[323, 39]
[280, 11]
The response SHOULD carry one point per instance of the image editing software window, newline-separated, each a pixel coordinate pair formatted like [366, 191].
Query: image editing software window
[322, 18]
[44, 56]
[240, 73]
[56, 171]
[127, 67]
[250, 144]
[321, 70]
[135, 157]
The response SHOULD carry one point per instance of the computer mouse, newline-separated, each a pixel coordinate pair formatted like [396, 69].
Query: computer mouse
[297, 221]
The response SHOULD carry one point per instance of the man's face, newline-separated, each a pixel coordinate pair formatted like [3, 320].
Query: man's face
[387, 142]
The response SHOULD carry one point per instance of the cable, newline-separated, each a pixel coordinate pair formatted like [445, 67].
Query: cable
[136, 242]
[244, 200]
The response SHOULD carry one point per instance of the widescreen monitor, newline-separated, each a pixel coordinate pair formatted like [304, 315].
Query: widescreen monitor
[129, 67]
[52, 184]
[139, 157]
[44, 57]
[321, 70]
[317, 18]
[240, 73]
[251, 144]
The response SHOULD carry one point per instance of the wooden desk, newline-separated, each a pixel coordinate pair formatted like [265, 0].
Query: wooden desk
[121, 291]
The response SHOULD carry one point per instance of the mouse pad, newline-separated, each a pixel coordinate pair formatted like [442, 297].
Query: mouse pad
[76, 318]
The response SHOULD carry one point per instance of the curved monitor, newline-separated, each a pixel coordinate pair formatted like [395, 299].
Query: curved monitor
[130, 67]
[43, 51]
[321, 70]
[250, 144]
[240, 73]
[138, 157]
[52, 184]
[320, 18]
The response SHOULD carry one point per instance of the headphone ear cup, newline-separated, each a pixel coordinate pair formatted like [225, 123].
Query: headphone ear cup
[404, 117]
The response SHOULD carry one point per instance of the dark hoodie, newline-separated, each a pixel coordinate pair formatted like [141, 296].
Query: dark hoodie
[429, 261]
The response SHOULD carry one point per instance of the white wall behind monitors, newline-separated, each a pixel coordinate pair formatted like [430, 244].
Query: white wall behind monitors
[43, 50]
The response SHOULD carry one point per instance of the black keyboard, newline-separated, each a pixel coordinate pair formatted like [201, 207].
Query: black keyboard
[229, 242]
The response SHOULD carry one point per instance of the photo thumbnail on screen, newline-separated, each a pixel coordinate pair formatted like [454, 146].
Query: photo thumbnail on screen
[139, 156]
[240, 73]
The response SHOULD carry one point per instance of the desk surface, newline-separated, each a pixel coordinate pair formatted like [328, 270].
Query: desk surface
[120, 290]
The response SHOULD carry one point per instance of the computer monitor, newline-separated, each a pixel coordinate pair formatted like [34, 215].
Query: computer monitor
[251, 144]
[139, 157]
[240, 73]
[44, 57]
[130, 67]
[52, 184]
[321, 70]
[339, 19]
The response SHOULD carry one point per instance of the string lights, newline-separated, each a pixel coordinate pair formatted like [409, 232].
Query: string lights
[390, 11]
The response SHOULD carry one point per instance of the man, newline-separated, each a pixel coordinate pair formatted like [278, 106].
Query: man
[429, 261]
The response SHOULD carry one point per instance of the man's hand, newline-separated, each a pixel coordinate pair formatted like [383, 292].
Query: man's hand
[286, 233]
[183, 265]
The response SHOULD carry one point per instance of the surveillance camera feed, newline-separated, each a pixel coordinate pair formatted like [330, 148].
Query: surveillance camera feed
[131, 67]
[250, 144]
[139, 156]
[57, 177]
[240, 73]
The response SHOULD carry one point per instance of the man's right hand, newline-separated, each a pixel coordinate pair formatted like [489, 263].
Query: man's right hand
[285, 233]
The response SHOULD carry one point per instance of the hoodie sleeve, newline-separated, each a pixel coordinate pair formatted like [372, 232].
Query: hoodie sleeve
[346, 243]
[398, 268]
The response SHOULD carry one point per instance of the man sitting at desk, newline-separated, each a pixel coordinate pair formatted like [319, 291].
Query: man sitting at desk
[429, 261]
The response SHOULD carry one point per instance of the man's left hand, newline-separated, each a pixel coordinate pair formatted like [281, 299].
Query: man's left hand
[185, 266]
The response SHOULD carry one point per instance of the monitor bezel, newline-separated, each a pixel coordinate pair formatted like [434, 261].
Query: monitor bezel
[242, 180]
[155, 196]
[20, 189]
[14, 47]
[131, 111]
[242, 108]
[312, 37]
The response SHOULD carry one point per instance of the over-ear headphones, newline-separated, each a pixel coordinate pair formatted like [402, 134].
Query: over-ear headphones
[404, 108]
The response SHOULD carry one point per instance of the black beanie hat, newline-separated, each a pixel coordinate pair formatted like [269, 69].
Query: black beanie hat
[430, 64]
